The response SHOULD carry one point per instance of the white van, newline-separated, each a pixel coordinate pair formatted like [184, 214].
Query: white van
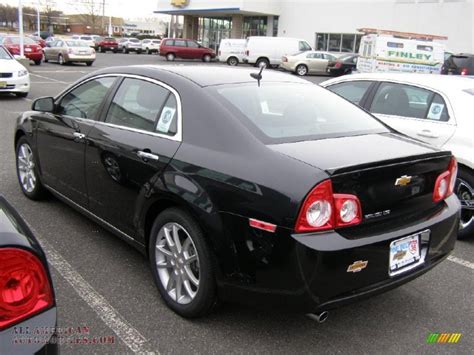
[385, 52]
[270, 50]
[231, 51]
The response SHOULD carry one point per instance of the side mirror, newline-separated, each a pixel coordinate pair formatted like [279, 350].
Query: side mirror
[43, 104]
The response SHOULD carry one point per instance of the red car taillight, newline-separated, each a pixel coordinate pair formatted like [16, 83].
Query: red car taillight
[444, 185]
[24, 286]
[338, 65]
[324, 210]
[464, 71]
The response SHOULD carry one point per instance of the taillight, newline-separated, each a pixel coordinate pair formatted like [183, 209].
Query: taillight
[24, 286]
[338, 65]
[324, 210]
[464, 71]
[444, 185]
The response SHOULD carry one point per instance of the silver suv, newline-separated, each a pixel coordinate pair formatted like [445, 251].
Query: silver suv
[127, 45]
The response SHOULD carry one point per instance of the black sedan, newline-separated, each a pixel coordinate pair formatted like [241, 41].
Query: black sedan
[345, 64]
[261, 189]
[27, 303]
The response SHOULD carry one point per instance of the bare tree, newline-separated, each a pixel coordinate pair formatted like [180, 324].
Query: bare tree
[91, 15]
[49, 11]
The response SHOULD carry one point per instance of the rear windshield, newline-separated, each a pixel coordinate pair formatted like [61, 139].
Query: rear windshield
[289, 112]
[134, 40]
[462, 62]
[86, 38]
[110, 39]
[76, 44]
[16, 40]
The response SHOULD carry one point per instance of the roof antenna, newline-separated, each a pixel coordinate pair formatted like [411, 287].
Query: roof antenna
[258, 76]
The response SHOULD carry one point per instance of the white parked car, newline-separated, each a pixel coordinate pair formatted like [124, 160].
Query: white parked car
[436, 109]
[309, 62]
[85, 38]
[14, 78]
[150, 46]
[232, 51]
[127, 45]
[265, 51]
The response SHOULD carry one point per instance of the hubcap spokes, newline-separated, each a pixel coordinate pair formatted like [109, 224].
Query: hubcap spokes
[465, 192]
[26, 167]
[177, 263]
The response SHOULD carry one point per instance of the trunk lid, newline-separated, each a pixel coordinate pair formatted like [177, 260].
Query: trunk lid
[393, 176]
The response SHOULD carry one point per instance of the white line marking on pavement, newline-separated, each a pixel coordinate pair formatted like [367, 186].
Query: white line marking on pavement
[50, 79]
[462, 262]
[111, 317]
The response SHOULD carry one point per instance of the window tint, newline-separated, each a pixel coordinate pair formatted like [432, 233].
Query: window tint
[278, 112]
[193, 44]
[401, 100]
[84, 101]
[353, 91]
[304, 46]
[179, 43]
[143, 105]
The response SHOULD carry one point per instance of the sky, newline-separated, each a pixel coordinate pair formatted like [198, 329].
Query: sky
[120, 8]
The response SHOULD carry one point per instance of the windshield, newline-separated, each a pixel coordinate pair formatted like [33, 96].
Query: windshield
[4, 54]
[284, 112]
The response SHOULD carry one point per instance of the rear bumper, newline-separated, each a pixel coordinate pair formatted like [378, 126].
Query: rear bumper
[34, 56]
[310, 272]
[80, 58]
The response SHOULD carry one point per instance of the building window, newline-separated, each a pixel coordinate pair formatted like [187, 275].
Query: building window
[255, 26]
[275, 25]
[338, 42]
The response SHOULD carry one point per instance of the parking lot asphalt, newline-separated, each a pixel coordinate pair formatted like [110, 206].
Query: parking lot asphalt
[104, 285]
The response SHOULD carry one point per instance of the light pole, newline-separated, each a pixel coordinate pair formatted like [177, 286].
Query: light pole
[20, 28]
[38, 20]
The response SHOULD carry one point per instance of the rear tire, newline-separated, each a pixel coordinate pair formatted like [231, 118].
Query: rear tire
[301, 70]
[465, 191]
[89, 63]
[188, 300]
[262, 62]
[38, 62]
[61, 60]
[27, 172]
[101, 50]
[170, 57]
[21, 94]
[232, 61]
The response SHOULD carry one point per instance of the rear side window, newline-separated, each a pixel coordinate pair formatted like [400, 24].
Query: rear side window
[179, 43]
[279, 112]
[169, 42]
[409, 101]
[353, 91]
[143, 105]
[85, 100]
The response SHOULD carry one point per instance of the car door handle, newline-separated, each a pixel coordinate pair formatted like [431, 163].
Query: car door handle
[427, 134]
[78, 137]
[147, 156]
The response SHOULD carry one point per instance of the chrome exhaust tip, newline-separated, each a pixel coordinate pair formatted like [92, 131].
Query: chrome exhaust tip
[319, 317]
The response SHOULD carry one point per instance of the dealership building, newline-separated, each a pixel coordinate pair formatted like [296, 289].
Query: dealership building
[325, 24]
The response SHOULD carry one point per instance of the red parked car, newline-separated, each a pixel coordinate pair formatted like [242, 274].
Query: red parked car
[172, 48]
[107, 44]
[32, 49]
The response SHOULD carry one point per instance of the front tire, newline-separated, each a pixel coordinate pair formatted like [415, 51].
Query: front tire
[89, 63]
[38, 62]
[61, 60]
[21, 94]
[206, 58]
[27, 172]
[170, 57]
[465, 191]
[182, 264]
[262, 62]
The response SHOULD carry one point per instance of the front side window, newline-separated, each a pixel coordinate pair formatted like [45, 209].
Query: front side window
[407, 101]
[179, 43]
[143, 105]
[353, 91]
[193, 44]
[84, 101]
[280, 112]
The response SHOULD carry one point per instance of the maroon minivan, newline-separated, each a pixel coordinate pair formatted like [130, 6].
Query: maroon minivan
[172, 48]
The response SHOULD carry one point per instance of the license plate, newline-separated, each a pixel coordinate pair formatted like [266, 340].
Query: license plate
[82, 52]
[27, 49]
[3, 84]
[404, 252]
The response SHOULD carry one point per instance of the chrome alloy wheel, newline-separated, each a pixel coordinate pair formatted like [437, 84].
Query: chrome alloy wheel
[177, 263]
[26, 168]
[465, 192]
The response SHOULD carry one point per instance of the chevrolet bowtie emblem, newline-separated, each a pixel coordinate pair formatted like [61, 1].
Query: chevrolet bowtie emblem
[357, 266]
[179, 3]
[403, 181]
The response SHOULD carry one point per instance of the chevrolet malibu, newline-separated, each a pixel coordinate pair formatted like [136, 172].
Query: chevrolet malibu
[241, 186]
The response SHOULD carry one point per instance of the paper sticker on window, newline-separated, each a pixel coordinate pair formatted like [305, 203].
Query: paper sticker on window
[436, 110]
[165, 120]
